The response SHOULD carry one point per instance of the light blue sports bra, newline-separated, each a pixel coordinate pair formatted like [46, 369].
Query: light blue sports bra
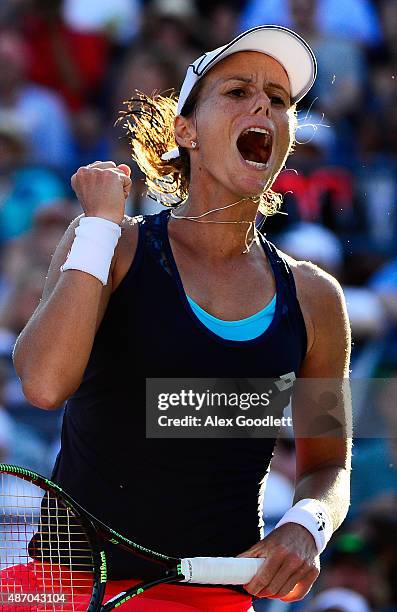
[243, 329]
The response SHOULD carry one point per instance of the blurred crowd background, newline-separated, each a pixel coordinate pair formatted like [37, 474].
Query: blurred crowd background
[65, 68]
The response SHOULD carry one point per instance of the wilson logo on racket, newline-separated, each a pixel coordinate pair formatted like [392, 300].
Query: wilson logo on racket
[104, 574]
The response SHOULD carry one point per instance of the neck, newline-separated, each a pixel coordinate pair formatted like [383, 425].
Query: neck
[219, 234]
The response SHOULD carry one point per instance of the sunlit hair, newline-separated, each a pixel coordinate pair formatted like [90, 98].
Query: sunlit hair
[149, 123]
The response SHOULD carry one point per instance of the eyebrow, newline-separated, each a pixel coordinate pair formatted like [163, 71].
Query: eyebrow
[249, 80]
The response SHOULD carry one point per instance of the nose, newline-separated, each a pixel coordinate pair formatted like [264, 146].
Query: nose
[263, 105]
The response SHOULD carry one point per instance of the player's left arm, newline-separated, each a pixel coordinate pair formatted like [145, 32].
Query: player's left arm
[321, 416]
[321, 406]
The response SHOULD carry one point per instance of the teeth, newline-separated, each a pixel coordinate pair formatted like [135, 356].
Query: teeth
[256, 164]
[257, 129]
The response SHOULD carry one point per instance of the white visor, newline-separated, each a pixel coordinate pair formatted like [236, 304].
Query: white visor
[284, 45]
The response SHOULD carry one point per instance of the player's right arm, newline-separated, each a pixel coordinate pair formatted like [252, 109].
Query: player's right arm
[53, 349]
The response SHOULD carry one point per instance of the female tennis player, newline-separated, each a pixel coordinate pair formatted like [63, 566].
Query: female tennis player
[194, 291]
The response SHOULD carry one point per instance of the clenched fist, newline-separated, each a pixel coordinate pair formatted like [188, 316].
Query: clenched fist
[102, 189]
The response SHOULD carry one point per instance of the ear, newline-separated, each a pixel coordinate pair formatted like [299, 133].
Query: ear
[185, 131]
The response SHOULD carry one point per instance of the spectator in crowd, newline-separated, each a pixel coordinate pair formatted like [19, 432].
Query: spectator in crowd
[341, 63]
[38, 111]
[37, 245]
[375, 458]
[20, 443]
[381, 530]
[338, 600]
[23, 187]
[36, 430]
[91, 138]
[222, 23]
[378, 359]
[21, 302]
[146, 69]
[354, 19]
[171, 26]
[118, 19]
[376, 176]
[316, 188]
[75, 61]
[31, 446]
[351, 563]
[310, 242]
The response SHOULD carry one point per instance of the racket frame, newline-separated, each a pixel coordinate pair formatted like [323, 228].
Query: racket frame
[98, 532]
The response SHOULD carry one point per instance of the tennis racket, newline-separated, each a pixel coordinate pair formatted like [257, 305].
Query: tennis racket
[52, 552]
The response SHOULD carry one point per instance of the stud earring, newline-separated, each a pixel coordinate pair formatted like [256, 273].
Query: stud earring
[193, 143]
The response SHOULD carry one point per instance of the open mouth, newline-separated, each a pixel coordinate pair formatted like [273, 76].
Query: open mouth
[255, 146]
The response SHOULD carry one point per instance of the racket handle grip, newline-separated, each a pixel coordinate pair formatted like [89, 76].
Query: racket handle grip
[220, 570]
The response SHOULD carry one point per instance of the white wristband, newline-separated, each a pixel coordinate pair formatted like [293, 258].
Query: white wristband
[93, 247]
[311, 514]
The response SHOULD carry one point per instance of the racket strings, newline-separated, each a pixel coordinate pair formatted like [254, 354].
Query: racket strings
[44, 551]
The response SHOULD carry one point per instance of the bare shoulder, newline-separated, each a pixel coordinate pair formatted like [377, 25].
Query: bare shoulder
[312, 281]
[321, 299]
[125, 250]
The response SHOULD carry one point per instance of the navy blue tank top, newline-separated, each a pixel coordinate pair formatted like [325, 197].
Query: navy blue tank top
[183, 497]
